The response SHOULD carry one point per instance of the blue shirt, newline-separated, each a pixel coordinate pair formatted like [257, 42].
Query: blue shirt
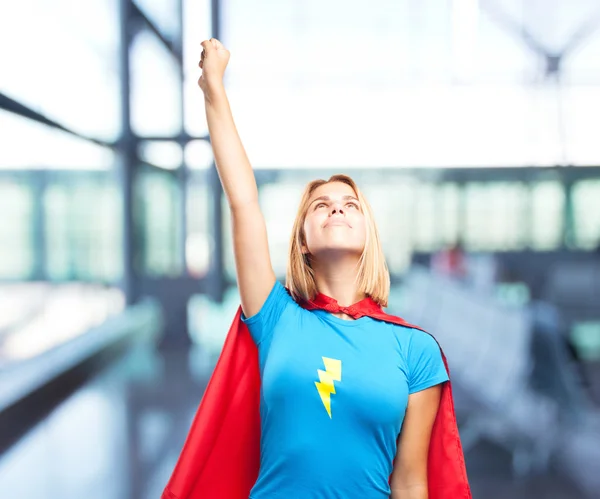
[333, 397]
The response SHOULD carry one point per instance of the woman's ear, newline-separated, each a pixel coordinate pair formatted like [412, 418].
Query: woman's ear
[303, 246]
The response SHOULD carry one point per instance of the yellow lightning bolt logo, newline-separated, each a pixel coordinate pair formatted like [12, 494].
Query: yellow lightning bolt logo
[325, 387]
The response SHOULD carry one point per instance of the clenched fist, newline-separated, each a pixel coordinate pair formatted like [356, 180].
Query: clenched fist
[213, 61]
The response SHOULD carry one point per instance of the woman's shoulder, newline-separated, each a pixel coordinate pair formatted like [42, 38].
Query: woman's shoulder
[414, 337]
[287, 295]
[405, 331]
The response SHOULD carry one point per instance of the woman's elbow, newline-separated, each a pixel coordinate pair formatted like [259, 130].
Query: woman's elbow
[413, 491]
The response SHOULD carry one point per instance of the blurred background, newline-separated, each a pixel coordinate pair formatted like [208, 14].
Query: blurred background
[472, 128]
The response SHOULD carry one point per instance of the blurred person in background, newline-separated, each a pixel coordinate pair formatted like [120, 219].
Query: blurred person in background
[354, 403]
[450, 262]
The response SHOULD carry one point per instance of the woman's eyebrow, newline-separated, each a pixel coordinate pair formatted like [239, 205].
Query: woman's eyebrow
[327, 198]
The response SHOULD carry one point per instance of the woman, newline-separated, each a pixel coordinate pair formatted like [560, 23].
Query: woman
[347, 401]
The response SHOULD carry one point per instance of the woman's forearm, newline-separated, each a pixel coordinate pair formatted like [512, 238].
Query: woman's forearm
[232, 162]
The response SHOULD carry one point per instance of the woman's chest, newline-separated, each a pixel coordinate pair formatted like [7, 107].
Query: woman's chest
[360, 372]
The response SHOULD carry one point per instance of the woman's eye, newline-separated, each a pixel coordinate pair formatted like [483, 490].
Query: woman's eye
[353, 204]
[319, 205]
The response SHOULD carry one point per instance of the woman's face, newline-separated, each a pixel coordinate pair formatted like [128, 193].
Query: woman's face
[334, 221]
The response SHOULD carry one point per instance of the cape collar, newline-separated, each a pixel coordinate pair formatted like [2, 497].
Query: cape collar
[366, 306]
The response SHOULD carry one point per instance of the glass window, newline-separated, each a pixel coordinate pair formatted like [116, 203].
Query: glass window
[581, 108]
[426, 84]
[198, 155]
[496, 216]
[199, 242]
[392, 208]
[16, 230]
[582, 66]
[155, 88]
[84, 242]
[58, 234]
[28, 144]
[448, 201]
[586, 205]
[61, 59]
[547, 215]
[425, 230]
[162, 153]
[158, 207]
[163, 14]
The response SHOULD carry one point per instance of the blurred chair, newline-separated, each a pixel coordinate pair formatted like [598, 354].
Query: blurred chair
[555, 372]
[574, 288]
[514, 381]
[488, 347]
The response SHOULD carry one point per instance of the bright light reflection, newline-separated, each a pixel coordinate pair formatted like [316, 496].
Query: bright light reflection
[61, 312]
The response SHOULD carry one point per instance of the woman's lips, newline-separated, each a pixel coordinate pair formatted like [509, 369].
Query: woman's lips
[336, 222]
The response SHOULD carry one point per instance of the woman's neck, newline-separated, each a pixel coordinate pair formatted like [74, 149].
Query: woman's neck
[337, 280]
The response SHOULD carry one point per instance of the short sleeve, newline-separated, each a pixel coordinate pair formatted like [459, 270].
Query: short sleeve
[426, 366]
[262, 323]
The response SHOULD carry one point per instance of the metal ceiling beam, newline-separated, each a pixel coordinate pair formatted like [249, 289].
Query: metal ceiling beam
[553, 60]
[216, 278]
[173, 47]
[128, 156]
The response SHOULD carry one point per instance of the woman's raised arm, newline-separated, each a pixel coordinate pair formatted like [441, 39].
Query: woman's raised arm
[255, 275]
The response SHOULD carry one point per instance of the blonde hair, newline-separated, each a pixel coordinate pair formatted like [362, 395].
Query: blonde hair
[373, 277]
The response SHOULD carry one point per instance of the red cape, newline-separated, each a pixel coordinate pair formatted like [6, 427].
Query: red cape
[221, 455]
